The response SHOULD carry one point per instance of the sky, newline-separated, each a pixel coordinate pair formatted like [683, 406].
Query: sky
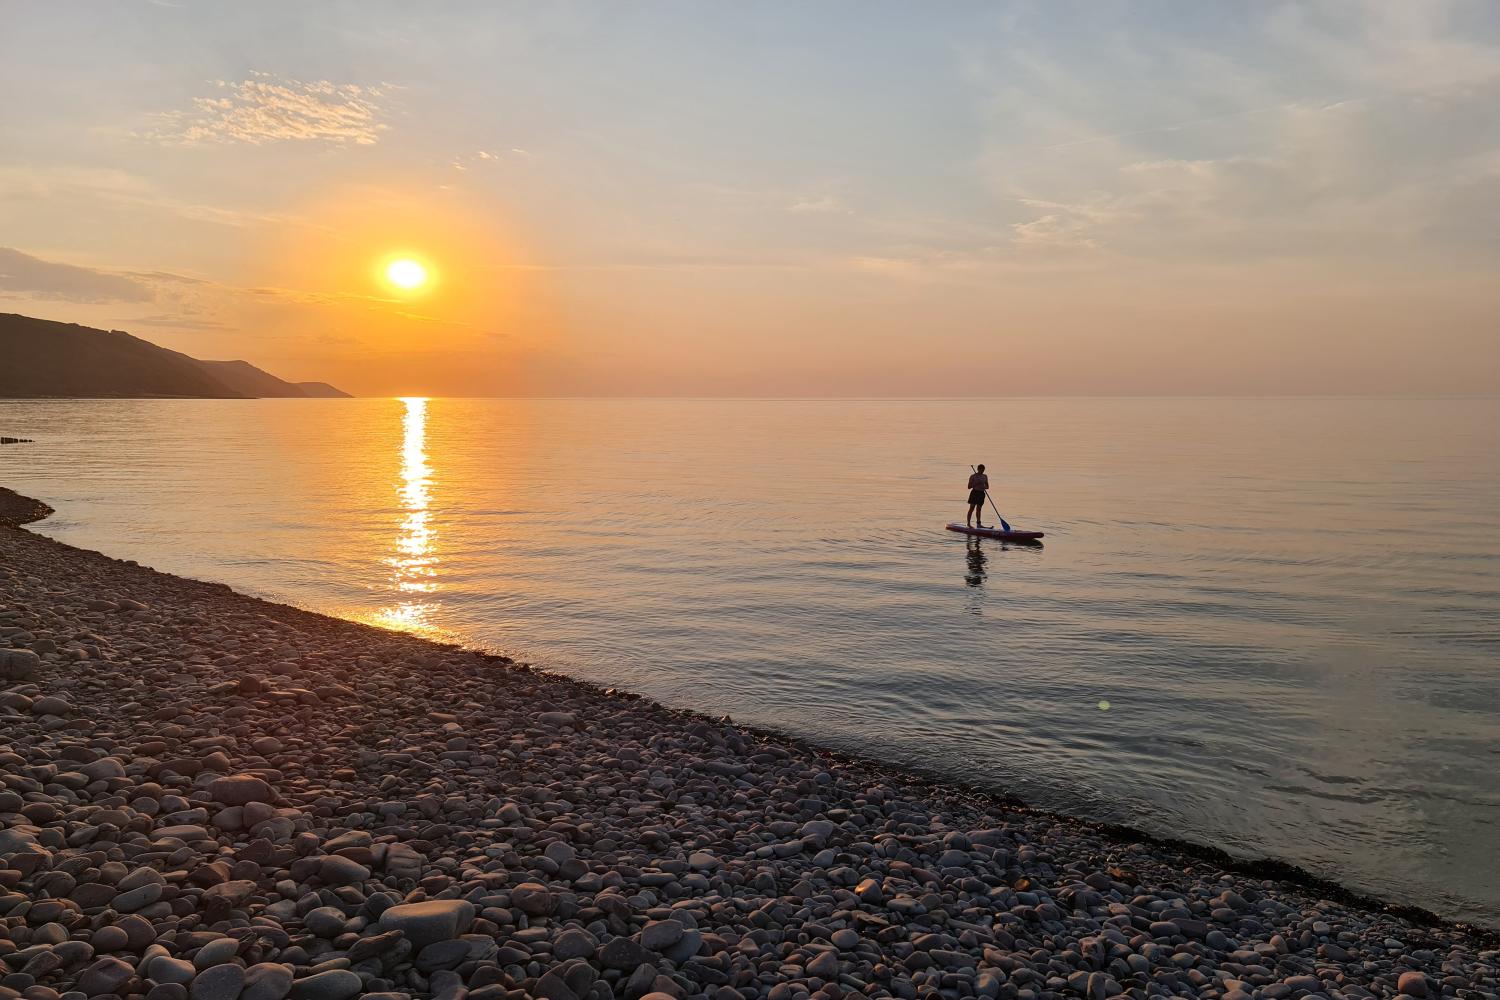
[769, 198]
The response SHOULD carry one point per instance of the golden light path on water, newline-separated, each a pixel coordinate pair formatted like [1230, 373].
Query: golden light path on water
[414, 562]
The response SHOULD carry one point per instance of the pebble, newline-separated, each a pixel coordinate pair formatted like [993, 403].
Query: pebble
[336, 870]
[660, 934]
[267, 981]
[104, 977]
[335, 984]
[1412, 984]
[222, 982]
[575, 942]
[430, 921]
[240, 789]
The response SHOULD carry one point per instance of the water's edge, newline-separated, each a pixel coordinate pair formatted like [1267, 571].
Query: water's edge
[17, 509]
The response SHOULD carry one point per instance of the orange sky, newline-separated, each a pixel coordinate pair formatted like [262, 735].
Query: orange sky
[758, 200]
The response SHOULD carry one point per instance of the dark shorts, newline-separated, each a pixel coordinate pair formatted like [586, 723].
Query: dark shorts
[976, 496]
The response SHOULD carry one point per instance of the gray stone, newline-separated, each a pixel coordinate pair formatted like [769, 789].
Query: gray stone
[431, 921]
[240, 789]
[216, 952]
[110, 938]
[222, 982]
[325, 921]
[533, 899]
[50, 705]
[108, 975]
[574, 943]
[166, 969]
[234, 893]
[623, 953]
[336, 870]
[335, 984]
[18, 665]
[442, 955]
[660, 934]
[267, 981]
[138, 930]
[824, 965]
[553, 986]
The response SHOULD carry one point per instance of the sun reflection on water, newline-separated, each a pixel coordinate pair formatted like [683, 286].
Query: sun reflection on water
[414, 562]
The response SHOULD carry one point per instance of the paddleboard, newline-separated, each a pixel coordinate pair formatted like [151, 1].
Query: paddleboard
[1000, 533]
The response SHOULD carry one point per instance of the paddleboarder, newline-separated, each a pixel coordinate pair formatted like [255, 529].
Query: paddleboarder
[979, 484]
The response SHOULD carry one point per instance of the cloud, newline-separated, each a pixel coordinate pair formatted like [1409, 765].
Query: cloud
[45, 279]
[263, 109]
[1340, 134]
[180, 322]
[118, 189]
[462, 161]
[824, 204]
[167, 276]
[1068, 230]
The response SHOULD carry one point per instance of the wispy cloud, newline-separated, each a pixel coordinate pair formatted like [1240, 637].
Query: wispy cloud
[1332, 133]
[264, 109]
[171, 322]
[47, 279]
[821, 204]
[465, 160]
[117, 188]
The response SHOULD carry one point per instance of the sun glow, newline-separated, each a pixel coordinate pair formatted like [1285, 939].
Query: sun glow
[406, 274]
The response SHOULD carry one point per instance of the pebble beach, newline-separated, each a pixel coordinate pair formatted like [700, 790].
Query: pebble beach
[205, 796]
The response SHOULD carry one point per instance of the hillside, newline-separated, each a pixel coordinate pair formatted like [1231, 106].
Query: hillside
[43, 358]
[248, 380]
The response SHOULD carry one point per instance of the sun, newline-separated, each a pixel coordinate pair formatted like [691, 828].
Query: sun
[406, 273]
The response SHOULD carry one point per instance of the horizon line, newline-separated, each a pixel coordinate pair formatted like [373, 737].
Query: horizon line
[770, 398]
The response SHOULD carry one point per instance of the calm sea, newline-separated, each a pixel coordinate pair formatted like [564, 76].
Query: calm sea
[1267, 624]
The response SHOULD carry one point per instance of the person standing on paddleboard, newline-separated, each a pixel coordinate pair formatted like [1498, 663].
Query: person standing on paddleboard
[979, 484]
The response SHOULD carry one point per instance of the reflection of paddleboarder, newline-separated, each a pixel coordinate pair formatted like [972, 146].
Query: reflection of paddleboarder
[978, 484]
[976, 559]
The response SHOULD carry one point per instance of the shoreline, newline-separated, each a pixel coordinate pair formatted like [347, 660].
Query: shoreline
[1020, 863]
[17, 510]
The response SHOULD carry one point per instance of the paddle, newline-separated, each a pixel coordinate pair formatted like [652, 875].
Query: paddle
[1003, 523]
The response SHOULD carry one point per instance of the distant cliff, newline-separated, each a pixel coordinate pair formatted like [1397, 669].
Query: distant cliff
[42, 358]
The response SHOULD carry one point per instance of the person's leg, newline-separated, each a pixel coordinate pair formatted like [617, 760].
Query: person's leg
[973, 515]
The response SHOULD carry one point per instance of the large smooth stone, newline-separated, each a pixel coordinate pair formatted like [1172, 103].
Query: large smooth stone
[222, 982]
[108, 975]
[335, 984]
[336, 870]
[240, 789]
[267, 981]
[429, 922]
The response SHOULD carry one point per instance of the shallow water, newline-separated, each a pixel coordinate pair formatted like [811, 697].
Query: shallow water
[1272, 625]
